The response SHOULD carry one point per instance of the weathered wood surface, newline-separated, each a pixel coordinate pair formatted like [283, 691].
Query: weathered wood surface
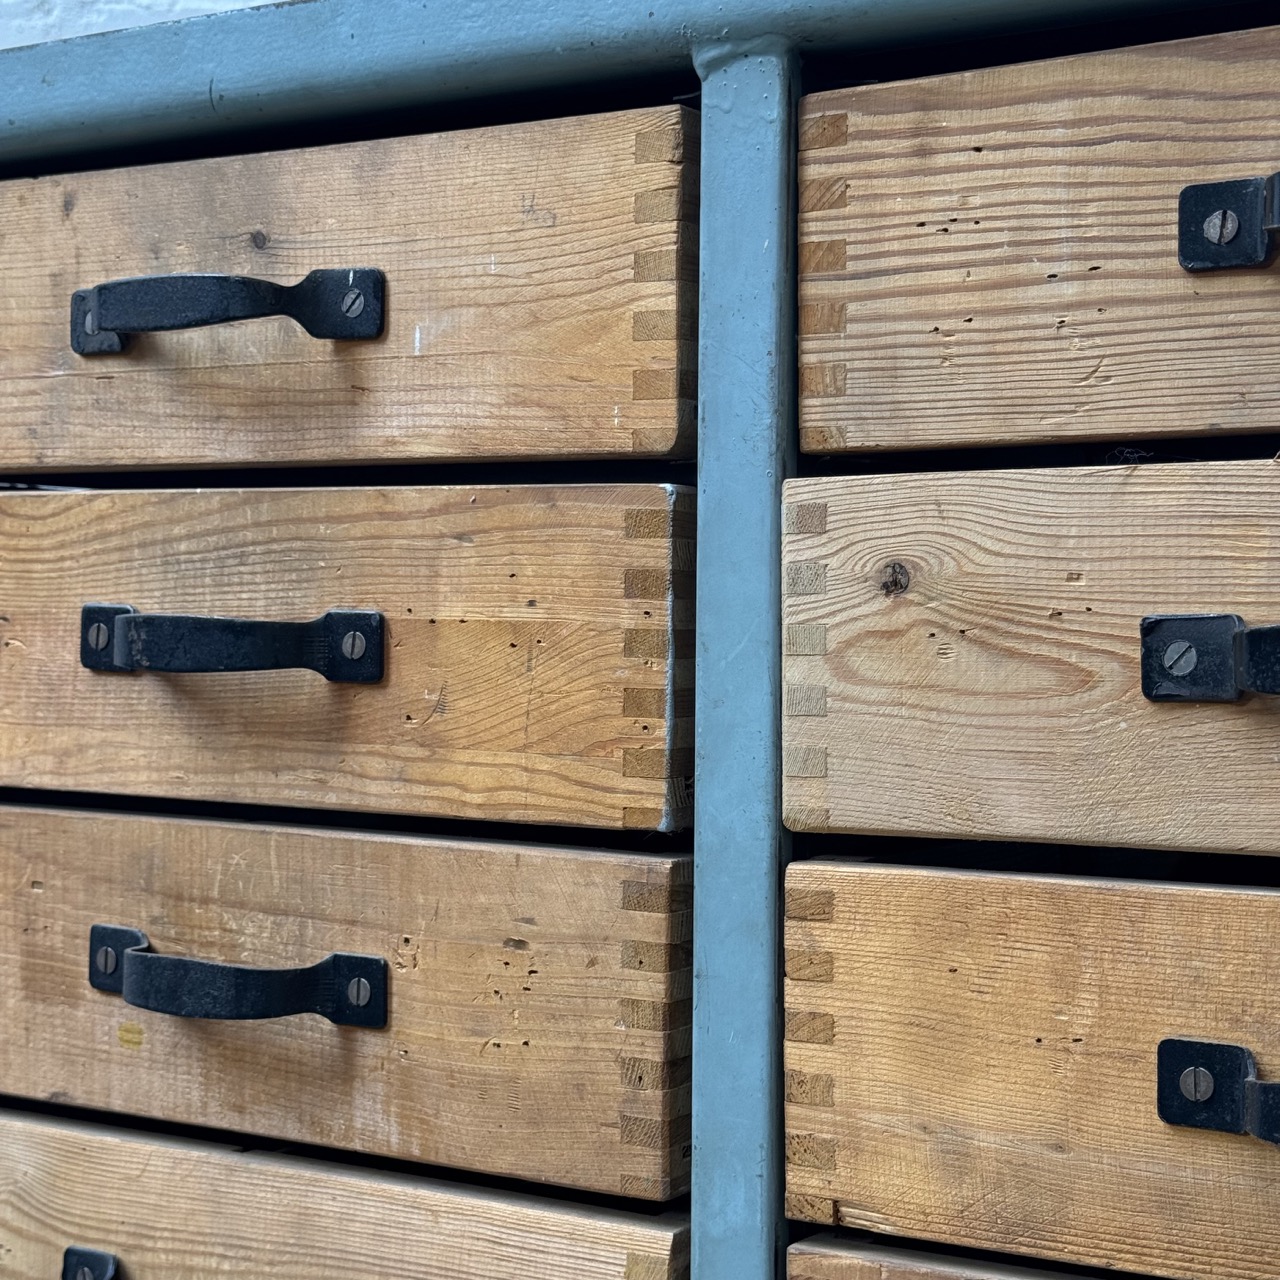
[539, 997]
[185, 1209]
[834, 1258]
[972, 1059]
[991, 256]
[989, 685]
[541, 300]
[537, 639]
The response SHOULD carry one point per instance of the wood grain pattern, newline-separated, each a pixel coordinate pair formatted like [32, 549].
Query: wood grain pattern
[539, 1014]
[989, 685]
[541, 301]
[171, 1209]
[994, 1065]
[991, 256]
[834, 1258]
[524, 681]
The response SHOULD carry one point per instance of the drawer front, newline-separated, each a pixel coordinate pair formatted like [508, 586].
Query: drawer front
[168, 1209]
[540, 301]
[833, 1258]
[963, 655]
[972, 1059]
[537, 651]
[519, 976]
[992, 257]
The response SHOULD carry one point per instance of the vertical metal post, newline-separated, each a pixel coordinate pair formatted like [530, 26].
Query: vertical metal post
[745, 422]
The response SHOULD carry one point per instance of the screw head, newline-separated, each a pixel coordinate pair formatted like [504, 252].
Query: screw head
[1196, 1084]
[1180, 658]
[106, 959]
[353, 645]
[85, 1273]
[352, 303]
[1221, 226]
[98, 636]
[359, 992]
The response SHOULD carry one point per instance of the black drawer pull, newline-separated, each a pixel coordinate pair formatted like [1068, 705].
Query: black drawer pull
[88, 1264]
[1215, 1086]
[1207, 657]
[1228, 224]
[343, 304]
[348, 989]
[344, 645]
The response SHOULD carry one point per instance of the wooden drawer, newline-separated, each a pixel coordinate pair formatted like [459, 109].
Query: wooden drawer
[834, 1258]
[538, 1020]
[972, 1059]
[540, 300]
[538, 663]
[170, 1209]
[992, 257]
[963, 655]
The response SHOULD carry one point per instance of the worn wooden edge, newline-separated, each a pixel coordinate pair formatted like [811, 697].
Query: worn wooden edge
[664, 1255]
[832, 1257]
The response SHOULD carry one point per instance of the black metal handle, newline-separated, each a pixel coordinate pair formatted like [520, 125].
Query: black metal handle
[343, 645]
[1207, 657]
[1203, 1085]
[88, 1264]
[350, 990]
[1228, 224]
[342, 304]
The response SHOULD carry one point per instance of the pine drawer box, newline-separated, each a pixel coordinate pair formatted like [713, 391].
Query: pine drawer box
[993, 257]
[162, 1208]
[536, 1014]
[984, 1060]
[833, 1258]
[964, 655]
[539, 301]
[536, 663]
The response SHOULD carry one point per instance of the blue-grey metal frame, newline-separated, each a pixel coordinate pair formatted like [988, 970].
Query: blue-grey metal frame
[309, 58]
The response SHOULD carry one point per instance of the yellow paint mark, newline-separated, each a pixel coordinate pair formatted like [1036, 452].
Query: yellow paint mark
[130, 1035]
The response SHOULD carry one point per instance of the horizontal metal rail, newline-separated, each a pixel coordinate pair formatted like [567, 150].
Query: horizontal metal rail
[306, 59]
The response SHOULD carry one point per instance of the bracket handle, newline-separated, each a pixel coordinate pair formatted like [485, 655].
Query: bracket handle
[1207, 657]
[343, 304]
[349, 990]
[1203, 1085]
[89, 1264]
[343, 645]
[1228, 224]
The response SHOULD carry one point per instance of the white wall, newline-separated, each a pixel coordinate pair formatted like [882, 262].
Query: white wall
[31, 21]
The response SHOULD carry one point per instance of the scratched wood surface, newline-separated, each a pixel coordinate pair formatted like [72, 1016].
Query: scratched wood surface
[537, 649]
[962, 655]
[541, 300]
[168, 1208]
[991, 257]
[971, 1059]
[539, 997]
[835, 1258]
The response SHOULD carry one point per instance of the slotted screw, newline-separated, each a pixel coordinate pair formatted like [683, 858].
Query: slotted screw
[1180, 658]
[98, 636]
[353, 302]
[85, 1273]
[359, 992]
[1196, 1084]
[353, 645]
[105, 959]
[1220, 227]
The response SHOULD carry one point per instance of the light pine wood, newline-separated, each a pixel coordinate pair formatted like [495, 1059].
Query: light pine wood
[539, 997]
[986, 1075]
[999, 695]
[169, 1209]
[991, 257]
[538, 657]
[541, 300]
[833, 1258]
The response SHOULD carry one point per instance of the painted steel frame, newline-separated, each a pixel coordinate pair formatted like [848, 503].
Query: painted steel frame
[304, 59]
